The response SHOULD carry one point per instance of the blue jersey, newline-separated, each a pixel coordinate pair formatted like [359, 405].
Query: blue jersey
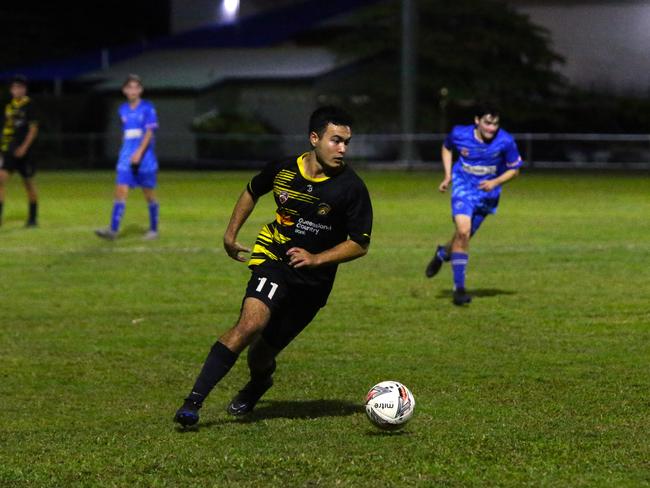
[478, 161]
[135, 122]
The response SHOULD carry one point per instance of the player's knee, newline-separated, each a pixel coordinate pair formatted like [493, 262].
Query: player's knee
[248, 327]
[463, 236]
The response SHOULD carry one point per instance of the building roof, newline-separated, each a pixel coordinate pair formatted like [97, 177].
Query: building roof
[198, 69]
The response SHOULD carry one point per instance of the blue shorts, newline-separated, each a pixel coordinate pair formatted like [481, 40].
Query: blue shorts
[473, 204]
[144, 180]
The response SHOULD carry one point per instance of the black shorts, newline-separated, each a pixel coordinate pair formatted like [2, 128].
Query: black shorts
[292, 306]
[25, 166]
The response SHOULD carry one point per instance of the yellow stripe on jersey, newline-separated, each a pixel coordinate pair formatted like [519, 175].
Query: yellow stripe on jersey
[259, 249]
[285, 175]
[280, 238]
[266, 234]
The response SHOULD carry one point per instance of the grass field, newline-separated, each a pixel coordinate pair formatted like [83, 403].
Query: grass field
[543, 381]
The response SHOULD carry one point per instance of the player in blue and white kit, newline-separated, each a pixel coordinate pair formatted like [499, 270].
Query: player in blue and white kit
[137, 164]
[487, 158]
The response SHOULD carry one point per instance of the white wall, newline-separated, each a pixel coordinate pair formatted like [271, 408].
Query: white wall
[606, 44]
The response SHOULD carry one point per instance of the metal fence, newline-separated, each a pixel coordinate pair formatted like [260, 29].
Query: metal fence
[212, 151]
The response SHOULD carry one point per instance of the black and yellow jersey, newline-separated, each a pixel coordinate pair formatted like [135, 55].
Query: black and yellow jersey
[18, 115]
[315, 214]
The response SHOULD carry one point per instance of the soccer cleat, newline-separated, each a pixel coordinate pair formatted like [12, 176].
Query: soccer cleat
[151, 235]
[245, 401]
[461, 297]
[435, 265]
[188, 414]
[106, 233]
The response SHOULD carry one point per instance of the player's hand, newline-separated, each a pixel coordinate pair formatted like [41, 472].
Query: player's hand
[488, 185]
[444, 185]
[20, 151]
[136, 157]
[299, 258]
[233, 248]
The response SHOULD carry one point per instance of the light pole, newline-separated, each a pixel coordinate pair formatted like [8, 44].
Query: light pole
[408, 80]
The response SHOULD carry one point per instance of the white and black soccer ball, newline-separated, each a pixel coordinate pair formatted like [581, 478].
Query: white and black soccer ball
[389, 405]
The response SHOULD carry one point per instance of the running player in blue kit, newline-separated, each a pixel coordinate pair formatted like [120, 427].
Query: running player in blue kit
[137, 164]
[487, 158]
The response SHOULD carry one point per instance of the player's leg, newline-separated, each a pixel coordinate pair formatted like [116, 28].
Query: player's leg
[477, 220]
[460, 256]
[117, 213]
[32, 199]
[254, 316]
[442, 255]
[261, 363]
[152, 203]
[283, 327]
[27, 170]
[4, 178]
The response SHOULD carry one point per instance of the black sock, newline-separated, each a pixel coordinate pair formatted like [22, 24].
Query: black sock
[216, 366]
[33, 211]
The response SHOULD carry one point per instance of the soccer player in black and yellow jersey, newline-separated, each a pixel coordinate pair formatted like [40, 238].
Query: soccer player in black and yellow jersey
[19, 130]
[323, 218]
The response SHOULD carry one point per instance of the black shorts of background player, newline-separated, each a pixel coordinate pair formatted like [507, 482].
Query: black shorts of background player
[19, 130]
[323, 218]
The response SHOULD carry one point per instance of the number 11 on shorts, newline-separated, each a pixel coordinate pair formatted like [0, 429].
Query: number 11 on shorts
[260, 286]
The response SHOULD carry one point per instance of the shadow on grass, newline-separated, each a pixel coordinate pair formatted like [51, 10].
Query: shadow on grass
[305, 409]
[477, 293]
[387, 433]
[286, 409]
[131, 230]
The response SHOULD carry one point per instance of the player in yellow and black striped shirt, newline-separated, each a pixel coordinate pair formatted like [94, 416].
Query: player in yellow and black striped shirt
[323, 218]
[19, 130]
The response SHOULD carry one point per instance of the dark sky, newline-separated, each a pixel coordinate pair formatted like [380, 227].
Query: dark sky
[32, 31]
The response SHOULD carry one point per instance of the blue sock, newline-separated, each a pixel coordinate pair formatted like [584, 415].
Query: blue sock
[116, 216]
[442, 253]
[459, 265]
[153, 216]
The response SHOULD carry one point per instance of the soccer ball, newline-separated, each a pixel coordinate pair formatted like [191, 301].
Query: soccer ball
[389, 405]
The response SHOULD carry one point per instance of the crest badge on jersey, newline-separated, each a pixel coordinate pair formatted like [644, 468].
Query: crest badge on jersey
[283, 197]
[310, 188]
[464, 151]
[323, 209]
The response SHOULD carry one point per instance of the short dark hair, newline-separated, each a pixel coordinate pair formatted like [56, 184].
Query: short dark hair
[486, 108]
[328, 114]
[132, 77]
[18, 79]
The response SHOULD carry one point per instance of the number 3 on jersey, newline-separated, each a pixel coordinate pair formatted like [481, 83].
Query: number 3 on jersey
[260, 287]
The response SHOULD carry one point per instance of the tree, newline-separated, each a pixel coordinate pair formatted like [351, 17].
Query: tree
[468, 50]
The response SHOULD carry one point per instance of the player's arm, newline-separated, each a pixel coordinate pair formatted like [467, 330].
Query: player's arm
[243, 208]
[446, 155]
[137, 154]
[341, 253]
[489, 185]
[29, 140]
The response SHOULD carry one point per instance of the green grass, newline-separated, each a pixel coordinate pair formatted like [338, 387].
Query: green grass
[542, 381]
